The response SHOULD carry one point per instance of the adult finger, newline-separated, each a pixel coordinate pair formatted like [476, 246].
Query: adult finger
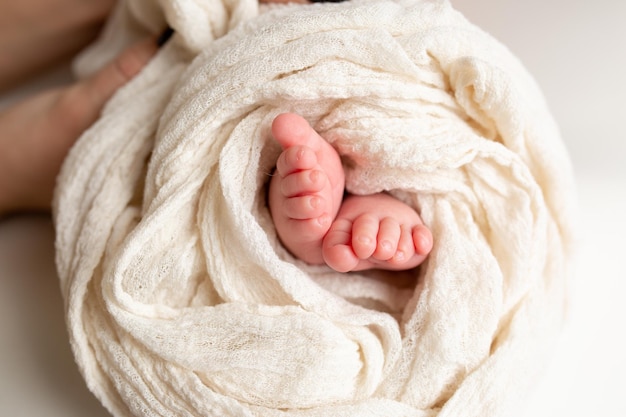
[96, 90]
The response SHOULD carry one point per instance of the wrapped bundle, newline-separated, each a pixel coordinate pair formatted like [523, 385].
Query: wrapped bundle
[180, 299]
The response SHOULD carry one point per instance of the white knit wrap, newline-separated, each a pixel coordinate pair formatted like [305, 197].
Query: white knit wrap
[180, 300]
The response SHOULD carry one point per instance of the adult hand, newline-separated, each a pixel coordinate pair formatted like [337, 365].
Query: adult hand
[36, 134]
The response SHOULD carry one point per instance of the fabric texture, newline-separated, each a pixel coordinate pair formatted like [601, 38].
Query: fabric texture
[180, 300]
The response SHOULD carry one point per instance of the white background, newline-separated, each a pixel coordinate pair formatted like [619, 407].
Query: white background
[576, 51]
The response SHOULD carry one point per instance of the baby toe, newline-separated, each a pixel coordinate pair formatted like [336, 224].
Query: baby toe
[336, 248]
[304, 207]
[364, 234]
[387, 239]
[303, 183]
[307, 230]
[422, 239]
[295, 158]
[405, 248]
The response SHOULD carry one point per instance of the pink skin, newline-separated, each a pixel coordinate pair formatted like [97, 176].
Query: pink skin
[319, 226]
[307, 189]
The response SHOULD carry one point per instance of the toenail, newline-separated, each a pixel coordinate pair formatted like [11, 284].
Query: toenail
[365, 240]
[314, 202]
[385, 245]
[314, 175]
[323, 220]
[399, 256]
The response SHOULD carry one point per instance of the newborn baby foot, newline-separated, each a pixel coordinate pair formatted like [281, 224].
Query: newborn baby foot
[306, 190]
[376, 231]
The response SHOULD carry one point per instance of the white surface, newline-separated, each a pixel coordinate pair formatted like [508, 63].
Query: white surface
[574, 49]
[38, 374]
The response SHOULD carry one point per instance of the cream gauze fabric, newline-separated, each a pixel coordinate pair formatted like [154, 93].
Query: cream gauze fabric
[180, 299]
